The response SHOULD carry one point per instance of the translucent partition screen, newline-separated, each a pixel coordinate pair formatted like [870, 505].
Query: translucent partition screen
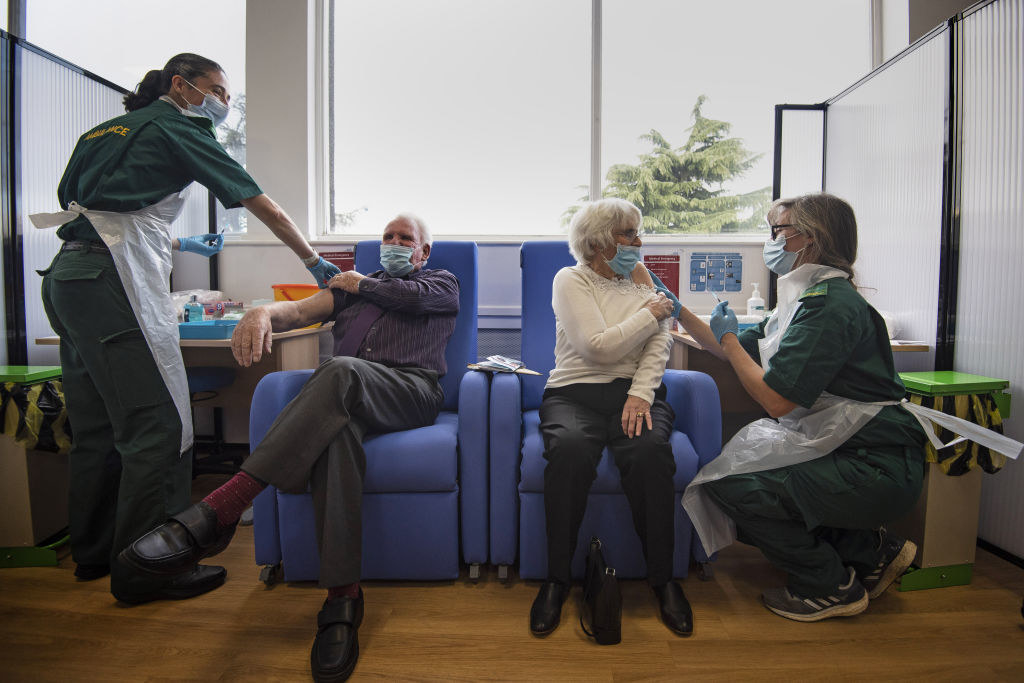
[56, 105]
[884, 155]
[6, 137]
[990, 317]
[802, 146]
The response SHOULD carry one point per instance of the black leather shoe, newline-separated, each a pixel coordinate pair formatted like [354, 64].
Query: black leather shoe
[179, 543]
[91, 572]
[675, 608]
[201, 579]
[546, 612]
[336, 647]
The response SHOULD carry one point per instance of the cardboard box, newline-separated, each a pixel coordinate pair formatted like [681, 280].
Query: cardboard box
[33, 494]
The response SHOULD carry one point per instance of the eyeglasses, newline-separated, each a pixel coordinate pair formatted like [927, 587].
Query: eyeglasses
[629, 235]
[776, 228]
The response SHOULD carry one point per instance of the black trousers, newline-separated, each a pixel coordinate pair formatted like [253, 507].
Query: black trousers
[577, 422]
[316, 443]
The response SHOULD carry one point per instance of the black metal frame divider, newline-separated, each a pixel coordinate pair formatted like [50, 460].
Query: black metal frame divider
[10, 189]
[952, 174]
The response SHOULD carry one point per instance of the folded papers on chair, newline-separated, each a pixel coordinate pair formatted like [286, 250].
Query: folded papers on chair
[501, 364]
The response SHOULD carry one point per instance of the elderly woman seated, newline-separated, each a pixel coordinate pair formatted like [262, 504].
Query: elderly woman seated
[612, 342]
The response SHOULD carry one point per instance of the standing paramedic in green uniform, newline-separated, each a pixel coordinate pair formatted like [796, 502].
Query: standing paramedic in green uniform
[813, 489]
[106, 295]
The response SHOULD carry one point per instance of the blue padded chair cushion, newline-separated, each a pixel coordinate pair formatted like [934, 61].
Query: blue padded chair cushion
[421, 459]
[533, 462]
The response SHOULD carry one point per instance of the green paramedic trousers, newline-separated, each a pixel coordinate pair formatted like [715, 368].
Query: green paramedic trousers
[813, 519]
[126, 473]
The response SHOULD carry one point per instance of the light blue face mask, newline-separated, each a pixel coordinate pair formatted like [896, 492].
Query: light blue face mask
[778, 260]
[395, 259]
[211, 107]
[625, 260]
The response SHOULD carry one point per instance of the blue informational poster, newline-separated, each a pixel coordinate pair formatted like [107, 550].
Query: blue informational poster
[716, 271]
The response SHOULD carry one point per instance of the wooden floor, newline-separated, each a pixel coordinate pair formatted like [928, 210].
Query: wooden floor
[53, 628]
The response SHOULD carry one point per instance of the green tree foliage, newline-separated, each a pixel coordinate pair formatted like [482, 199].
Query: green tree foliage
[681, 190]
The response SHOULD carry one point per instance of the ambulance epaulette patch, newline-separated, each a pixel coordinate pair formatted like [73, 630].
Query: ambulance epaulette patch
[820, 289]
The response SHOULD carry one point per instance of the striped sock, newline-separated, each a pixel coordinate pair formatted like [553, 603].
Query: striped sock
[349, 591]
[231, 499]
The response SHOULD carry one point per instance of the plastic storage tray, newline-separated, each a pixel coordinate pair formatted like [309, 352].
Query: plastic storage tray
[207, 329]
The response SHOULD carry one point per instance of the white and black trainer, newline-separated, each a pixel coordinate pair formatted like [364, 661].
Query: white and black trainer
[897, 554]
[845, 601]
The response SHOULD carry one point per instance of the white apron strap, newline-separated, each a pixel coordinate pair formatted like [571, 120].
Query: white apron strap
[52, 220]
[966, 431]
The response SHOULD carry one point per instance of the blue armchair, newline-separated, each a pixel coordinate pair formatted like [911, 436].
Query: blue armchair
[516, 451]
[422, 486]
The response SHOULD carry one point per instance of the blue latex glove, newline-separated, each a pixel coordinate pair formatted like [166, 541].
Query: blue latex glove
[205, 245]
[660, 286]
[723, 321]
[323, 271]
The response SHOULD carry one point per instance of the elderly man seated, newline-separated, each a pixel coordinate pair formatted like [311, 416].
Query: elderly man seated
[391, 329]
[611, 344]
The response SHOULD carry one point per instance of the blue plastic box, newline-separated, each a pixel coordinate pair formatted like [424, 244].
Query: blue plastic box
[207, 329]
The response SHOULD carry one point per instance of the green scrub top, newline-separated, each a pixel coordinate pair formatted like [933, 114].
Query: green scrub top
[838, 343]
[135, 160]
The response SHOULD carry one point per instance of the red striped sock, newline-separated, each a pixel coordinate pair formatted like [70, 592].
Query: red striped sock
[231, 499]
[349, 591]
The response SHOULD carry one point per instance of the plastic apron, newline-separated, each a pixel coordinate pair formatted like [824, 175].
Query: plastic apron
[804, 434]
[140, 244]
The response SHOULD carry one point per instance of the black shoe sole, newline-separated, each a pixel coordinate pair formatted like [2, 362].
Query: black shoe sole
[339, 675]
[171, 593]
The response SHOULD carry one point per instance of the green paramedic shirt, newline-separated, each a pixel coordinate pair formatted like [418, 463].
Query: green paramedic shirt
[838, 343]
[135, 160]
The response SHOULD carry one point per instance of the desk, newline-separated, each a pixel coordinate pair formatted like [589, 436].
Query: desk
[738, 409]
[292, 350]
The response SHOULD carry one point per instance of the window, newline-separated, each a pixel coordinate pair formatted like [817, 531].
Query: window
[730, 62]
[477, 115]
[473, 115]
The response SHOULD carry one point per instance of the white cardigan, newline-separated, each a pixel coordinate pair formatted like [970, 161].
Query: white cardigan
[603, 332]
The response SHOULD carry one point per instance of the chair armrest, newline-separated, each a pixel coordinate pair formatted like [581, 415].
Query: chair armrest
[506, 439]
[694, 398]
[273, 392]
[474, 393]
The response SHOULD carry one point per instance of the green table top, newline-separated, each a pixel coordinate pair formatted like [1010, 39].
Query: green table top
[28, 374]
[942, 382]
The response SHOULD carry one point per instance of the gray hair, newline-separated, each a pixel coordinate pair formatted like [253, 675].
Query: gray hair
[421, 226]
[591, 228]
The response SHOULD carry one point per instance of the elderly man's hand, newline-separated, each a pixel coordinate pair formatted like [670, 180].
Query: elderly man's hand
[252, 337]
[659, 306]
[347, 281]
[634, 414]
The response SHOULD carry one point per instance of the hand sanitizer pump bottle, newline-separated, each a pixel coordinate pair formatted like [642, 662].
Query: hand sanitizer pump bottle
[193, 311]
[755, 304]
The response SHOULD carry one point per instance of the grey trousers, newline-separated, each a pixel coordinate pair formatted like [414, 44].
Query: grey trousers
[315, 444]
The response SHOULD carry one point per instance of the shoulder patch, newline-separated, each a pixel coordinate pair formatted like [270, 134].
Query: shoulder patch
[820, 289]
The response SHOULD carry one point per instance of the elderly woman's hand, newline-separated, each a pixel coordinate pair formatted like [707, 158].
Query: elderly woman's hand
[660, 306]
[634, 414]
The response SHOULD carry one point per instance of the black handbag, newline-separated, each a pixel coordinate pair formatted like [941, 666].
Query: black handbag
[602, 601]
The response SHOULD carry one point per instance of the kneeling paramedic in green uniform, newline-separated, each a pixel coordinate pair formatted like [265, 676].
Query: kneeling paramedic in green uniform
[106, 295]
[813, 488]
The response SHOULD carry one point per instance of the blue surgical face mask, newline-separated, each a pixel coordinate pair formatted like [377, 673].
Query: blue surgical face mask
[625, 259]
[778, 260]
[395, 259]
[211, 107]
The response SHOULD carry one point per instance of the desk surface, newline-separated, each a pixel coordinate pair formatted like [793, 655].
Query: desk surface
[897, 345]
[214, 343]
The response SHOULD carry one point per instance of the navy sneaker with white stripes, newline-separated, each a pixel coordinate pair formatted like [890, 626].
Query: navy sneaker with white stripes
[896, 554]
[844, 601]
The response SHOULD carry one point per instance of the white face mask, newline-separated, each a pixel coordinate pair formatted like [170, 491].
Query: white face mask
[211, 107]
